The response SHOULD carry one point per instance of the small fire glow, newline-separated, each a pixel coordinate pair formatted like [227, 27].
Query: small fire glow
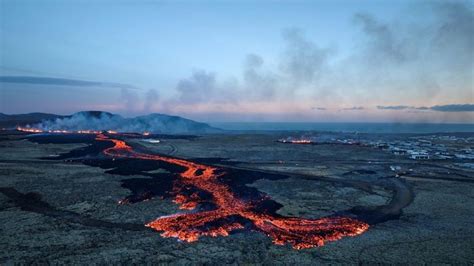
[86, 132]
[30, 130]
[60, 131]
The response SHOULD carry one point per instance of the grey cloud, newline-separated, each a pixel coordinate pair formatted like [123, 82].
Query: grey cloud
[454, 33]
[253, 61]
[383, 42]
[446, 39]
[416, 59]
[405, 60]
[143, 102]
[303, 60]
[318, 108]
[203, 86]
[354, 108]
[200, 87]
[423, 108]
[394, 107]
[61, 82]
[439, 108]
[454, 108]
[130, 99]
[259, 83]
[151, 99]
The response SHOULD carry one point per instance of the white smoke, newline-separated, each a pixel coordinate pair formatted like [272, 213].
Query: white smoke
[154, 123]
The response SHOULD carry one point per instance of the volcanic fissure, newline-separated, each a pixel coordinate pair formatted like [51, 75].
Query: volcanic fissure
[231, 212]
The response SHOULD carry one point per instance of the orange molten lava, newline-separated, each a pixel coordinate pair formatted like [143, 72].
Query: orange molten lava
[31, 130]
[60, 131]
[299, 232]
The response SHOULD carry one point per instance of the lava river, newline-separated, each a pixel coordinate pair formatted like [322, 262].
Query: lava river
[231, 213]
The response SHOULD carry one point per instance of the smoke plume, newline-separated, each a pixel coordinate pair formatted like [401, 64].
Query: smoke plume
[155, 123]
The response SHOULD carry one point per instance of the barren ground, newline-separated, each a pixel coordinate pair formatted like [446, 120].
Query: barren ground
[67, 212]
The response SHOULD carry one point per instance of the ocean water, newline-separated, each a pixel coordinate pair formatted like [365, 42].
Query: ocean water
[346, 127]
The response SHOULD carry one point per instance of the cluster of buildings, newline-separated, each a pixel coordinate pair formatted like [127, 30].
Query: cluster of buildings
[320, 139]
[430, 147]
[425, 147]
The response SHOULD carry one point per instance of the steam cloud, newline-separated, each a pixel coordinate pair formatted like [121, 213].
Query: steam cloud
[132, 102]
[431, 60]
[394, 63]
[155, 123]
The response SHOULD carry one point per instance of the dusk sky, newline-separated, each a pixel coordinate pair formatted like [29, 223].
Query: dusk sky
[321, 61]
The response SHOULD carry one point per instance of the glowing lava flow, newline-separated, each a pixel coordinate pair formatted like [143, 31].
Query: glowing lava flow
[232, 213]
[61, 131]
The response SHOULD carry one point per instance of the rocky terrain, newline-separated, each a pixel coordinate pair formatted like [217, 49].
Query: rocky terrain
[57, 211]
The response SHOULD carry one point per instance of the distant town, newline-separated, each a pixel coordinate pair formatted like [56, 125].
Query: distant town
[423, 147]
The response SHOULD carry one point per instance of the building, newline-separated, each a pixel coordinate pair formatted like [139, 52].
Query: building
[419, 155]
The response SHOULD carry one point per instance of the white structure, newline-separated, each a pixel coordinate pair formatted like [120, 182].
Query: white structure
[419, 155]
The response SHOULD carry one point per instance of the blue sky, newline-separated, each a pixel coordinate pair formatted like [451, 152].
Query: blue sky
[240, 60]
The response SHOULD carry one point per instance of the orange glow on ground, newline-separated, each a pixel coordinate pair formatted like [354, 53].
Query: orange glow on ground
[60, 131]
[298, 232]
[30, 130]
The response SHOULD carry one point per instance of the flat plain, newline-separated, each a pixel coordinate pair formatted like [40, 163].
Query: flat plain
[63, 211]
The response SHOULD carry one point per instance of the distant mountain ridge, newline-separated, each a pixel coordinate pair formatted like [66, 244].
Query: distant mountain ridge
[25, 119]
[100, 120]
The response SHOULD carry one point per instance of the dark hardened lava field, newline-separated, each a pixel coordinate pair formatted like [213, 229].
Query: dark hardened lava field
[198, 200]
[232, 199]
